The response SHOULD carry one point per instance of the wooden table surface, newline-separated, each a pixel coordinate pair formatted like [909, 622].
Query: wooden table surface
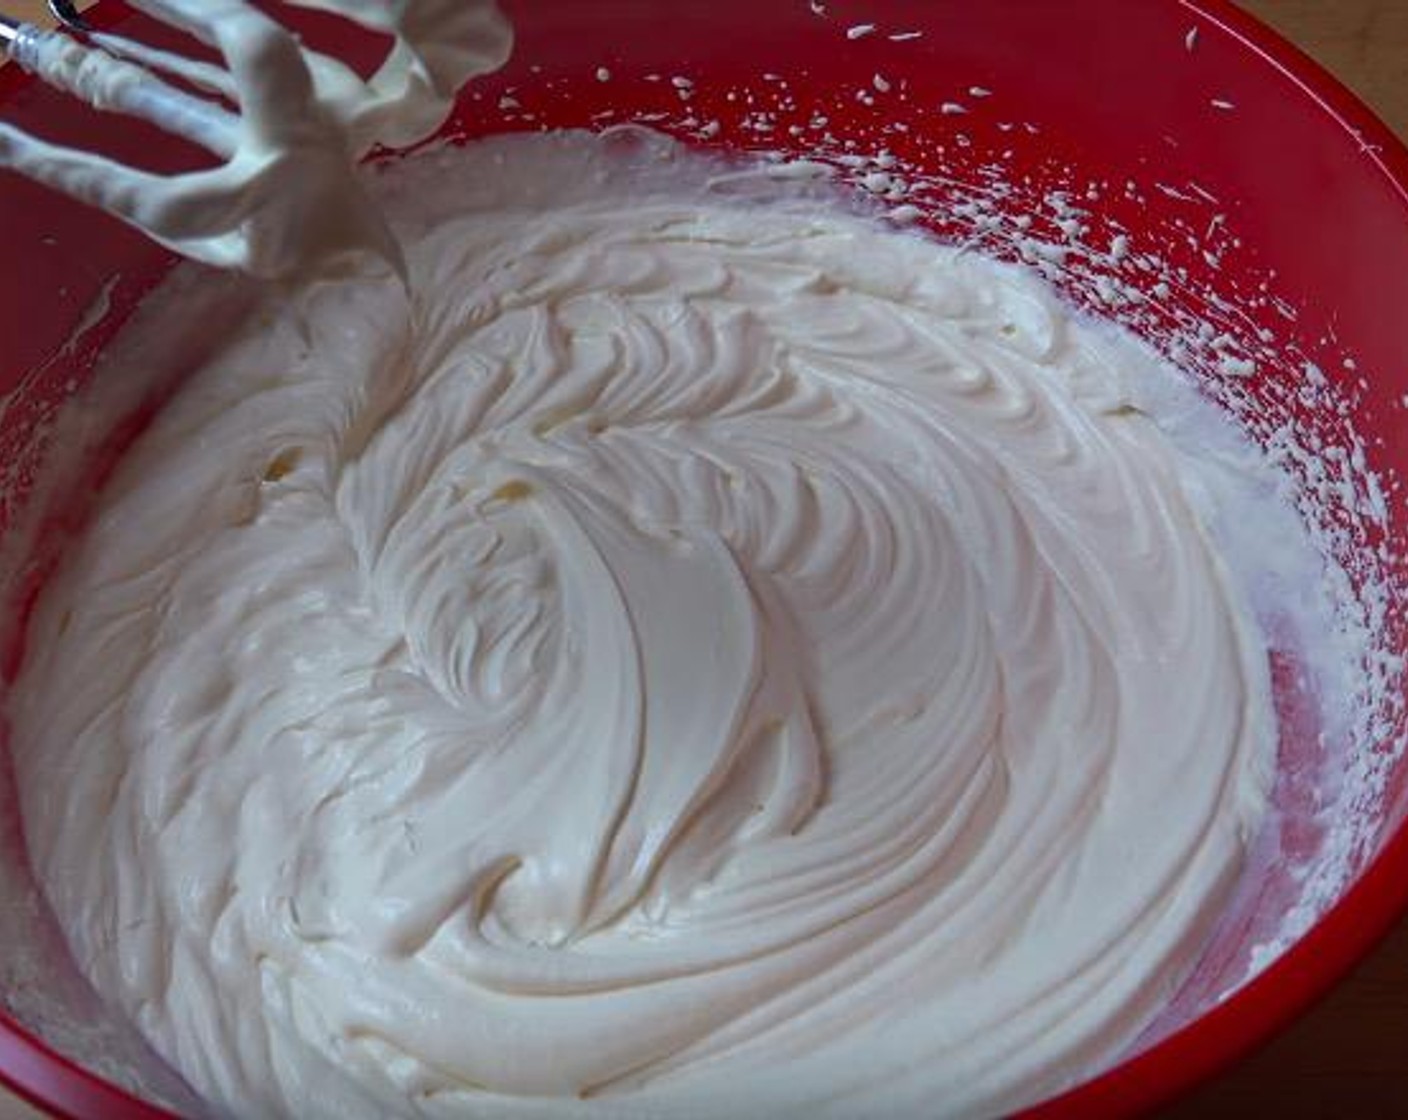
[1348, 1057]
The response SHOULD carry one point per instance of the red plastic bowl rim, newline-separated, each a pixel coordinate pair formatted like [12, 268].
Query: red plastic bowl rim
[1378, 898]
[1217, 1038]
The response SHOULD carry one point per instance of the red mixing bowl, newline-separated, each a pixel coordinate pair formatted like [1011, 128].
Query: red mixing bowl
[1259, 193]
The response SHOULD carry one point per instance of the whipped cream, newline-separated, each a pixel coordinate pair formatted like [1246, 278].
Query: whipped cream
[286, 202]
[709, 655]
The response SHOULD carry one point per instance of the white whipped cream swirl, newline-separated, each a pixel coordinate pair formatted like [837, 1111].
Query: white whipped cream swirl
[721, 659]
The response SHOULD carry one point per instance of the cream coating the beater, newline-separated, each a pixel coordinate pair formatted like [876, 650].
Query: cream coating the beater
[288, 122]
